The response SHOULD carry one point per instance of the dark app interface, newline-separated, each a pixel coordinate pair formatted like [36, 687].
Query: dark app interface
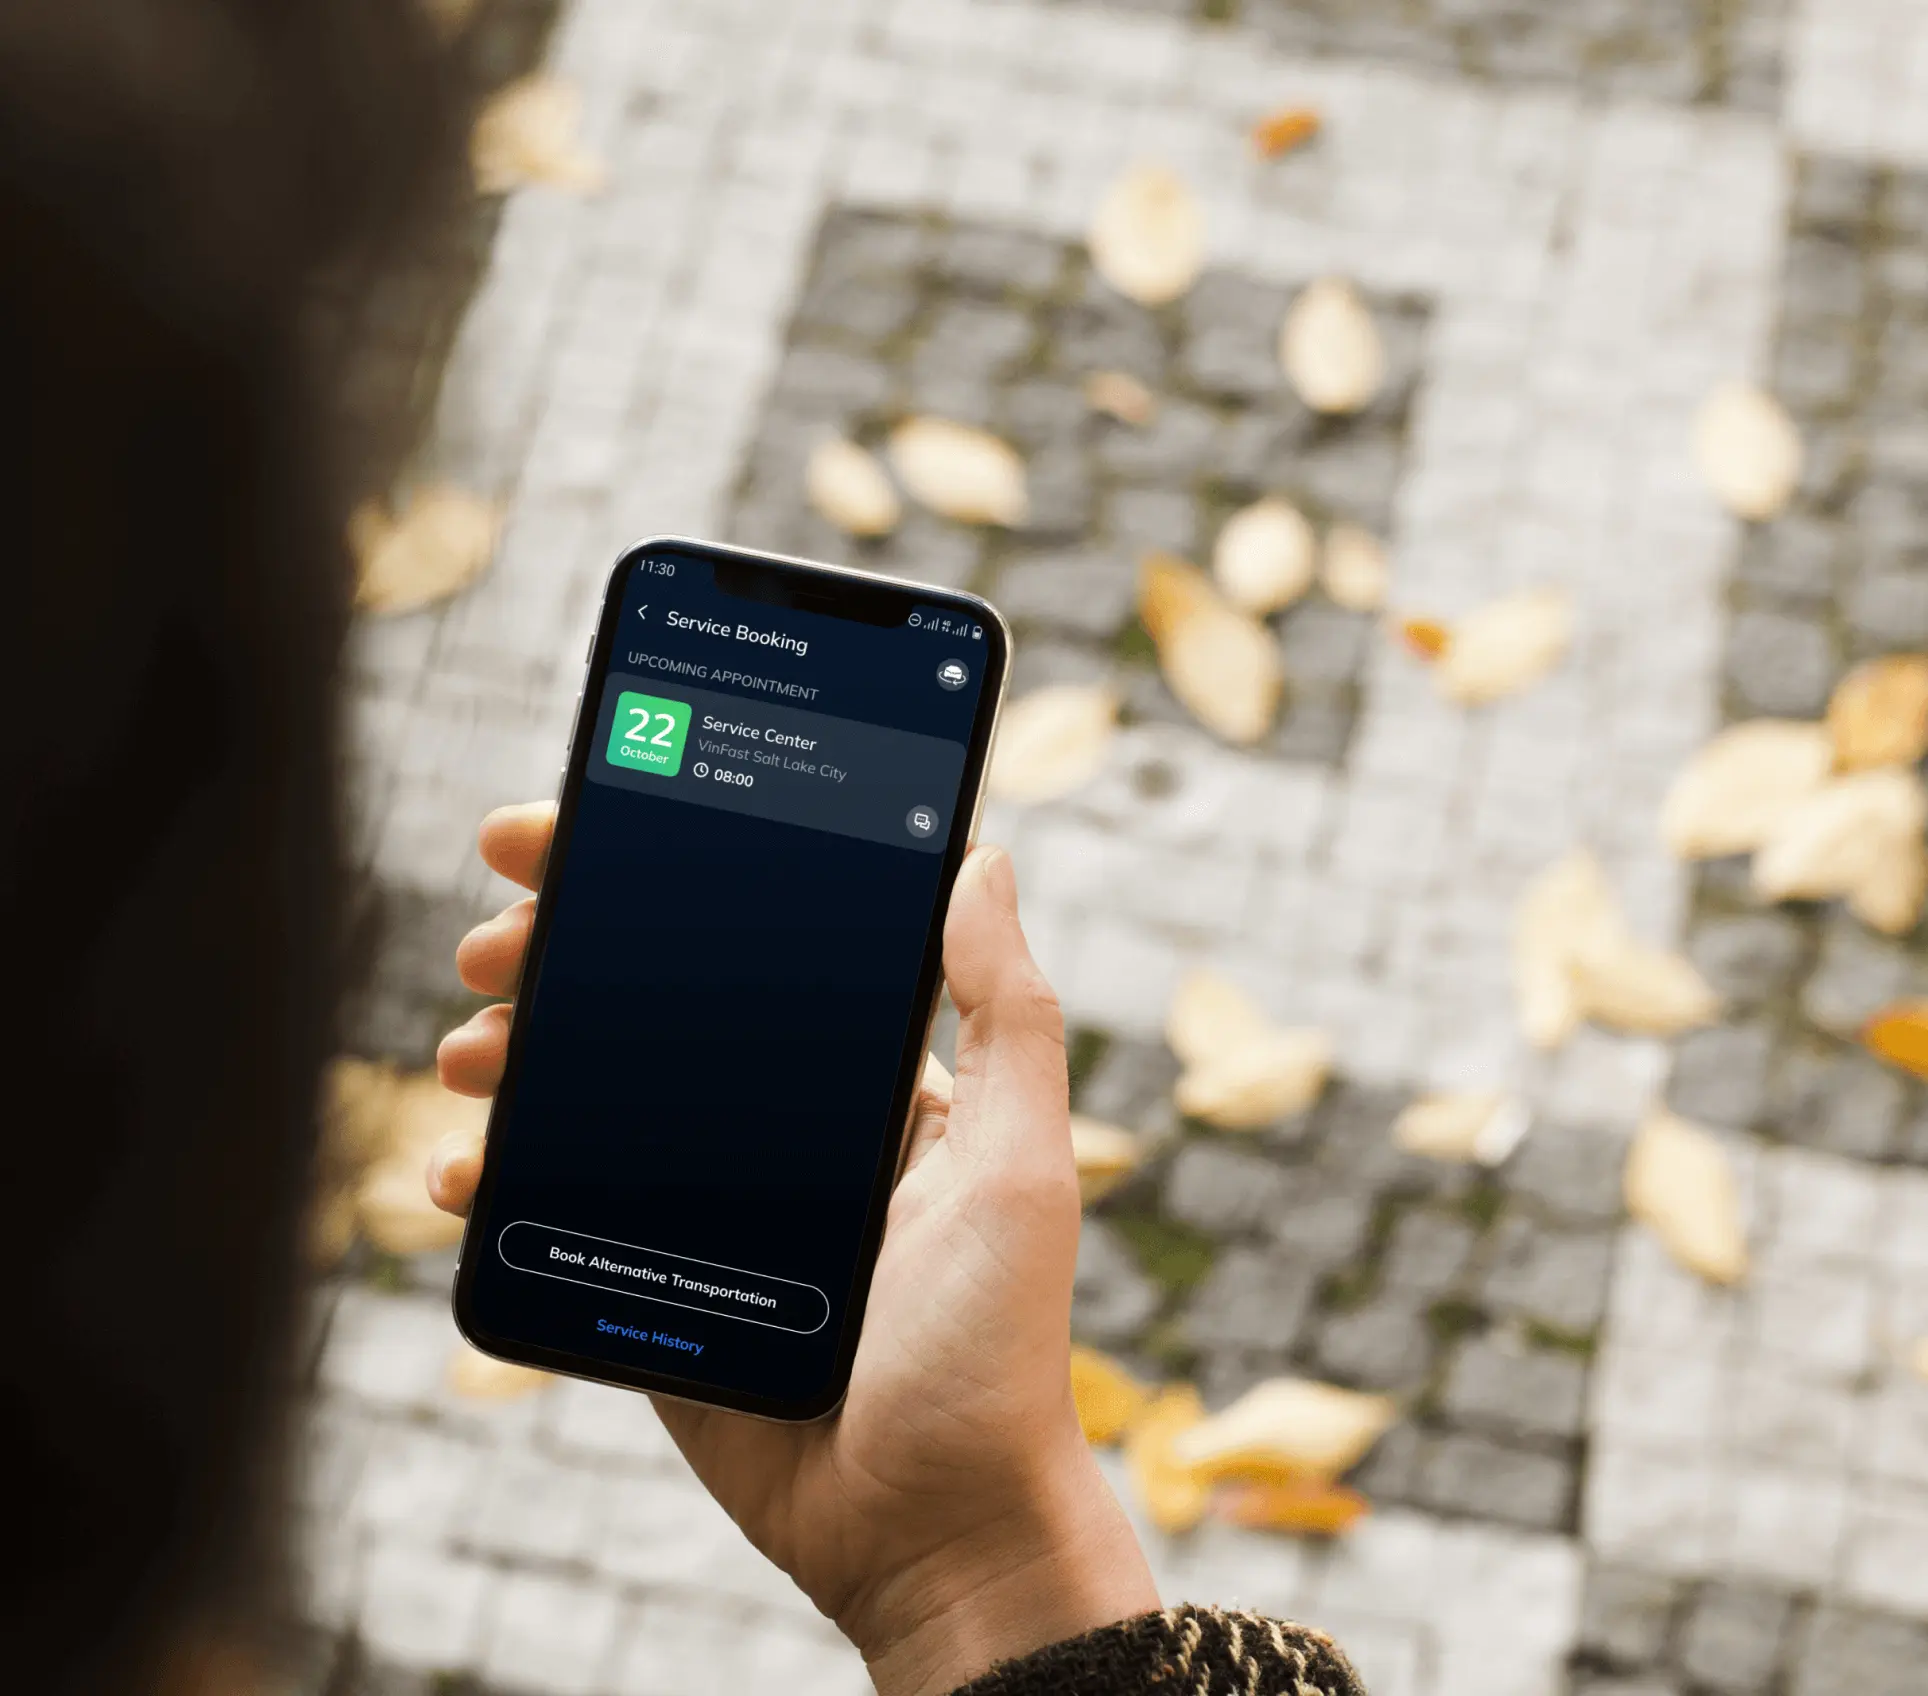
[716, 1022]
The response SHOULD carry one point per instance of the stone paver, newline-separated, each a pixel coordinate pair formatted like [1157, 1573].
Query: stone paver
[1569, 223]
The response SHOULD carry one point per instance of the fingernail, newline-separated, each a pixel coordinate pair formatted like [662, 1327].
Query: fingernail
[1001, 878]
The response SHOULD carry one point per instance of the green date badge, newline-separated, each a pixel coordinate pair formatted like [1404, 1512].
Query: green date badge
[648, 734]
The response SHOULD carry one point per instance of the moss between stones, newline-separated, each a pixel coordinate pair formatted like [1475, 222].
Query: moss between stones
[1173, 1256]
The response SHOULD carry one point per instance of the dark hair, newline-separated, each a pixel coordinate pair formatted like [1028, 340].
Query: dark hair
[173, 173]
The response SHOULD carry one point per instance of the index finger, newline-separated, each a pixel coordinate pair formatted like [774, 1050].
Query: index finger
[515, 841]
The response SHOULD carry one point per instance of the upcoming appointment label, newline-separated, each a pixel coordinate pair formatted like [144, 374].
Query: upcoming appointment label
[774, 761]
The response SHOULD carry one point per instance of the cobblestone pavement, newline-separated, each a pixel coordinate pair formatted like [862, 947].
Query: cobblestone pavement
[1612, 1480]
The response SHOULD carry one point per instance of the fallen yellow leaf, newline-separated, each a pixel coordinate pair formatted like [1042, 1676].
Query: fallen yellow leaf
[1574, 959]
[1679, 1182]
[1241, 1070]
[1355, 573]
[1506, 646]
[1315, 1430]
[1899, 1035]
[1426, 637]
[849, 488]
[1889, 897]
[1330, 348]
[1224, 666]
[1106, 1156]
[439, 545]
[1748, 450]
[1210, 1017]
[1476, 1125]
[1568, 907]
[1278, 133]
[1172, 1492]
[1147, 239]
[1265, 556]
[1737, 790]
[1052, 741]
[1121, 396]
[480, 1377]
[1858, 836]
[1108, 1397]
[526, 134]
[1279, 1074]
[1310, 1509]
[1642, 990]
[960, 472]
[1878, 715]
[1918, 1357]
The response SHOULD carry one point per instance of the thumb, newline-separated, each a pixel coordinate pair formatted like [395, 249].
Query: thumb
[1011, 1101]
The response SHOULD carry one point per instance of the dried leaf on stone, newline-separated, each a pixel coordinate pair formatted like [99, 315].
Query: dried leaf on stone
[1680, 1183]
[1642, 990]
[1506, 646]
[1308, 1508]
[482, 1378]
[1280, 1074]
[1748, 450]
[1210, 1017]
[1173, 1494]
[526, 134]
[1330, 348]
[438, 545]
[1889, 898]
[960, 472]
[1898, 1034]
[1148, 237]
[1265, 556]
[1108, 1397]
[1567, 908]
[1053, 741]
[1859, 836]
[1121, 396]
[849, 488]
[1426, 637]
[1106, 1156]
[1278, 133]
[1223, 665]
[1355, 573]
[1574, 959]
[1918, 1357]
[1475, 1125]
[1307, 1429]
[1736, 791]
[392, 1199]
[1879, 713]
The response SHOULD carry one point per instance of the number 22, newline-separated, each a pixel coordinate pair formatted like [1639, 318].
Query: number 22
[661, 738]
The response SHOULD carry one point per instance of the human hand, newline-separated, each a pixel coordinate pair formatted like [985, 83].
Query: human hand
[950, 1514]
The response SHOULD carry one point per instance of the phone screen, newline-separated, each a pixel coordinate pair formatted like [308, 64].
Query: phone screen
[730, 981]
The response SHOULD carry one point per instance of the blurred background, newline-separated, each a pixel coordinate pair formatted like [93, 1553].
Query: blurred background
[1598, 424]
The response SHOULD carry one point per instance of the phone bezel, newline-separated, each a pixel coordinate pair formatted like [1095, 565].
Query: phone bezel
[827, 586]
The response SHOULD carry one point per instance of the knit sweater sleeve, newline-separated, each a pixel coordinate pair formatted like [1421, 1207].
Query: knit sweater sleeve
[1182, 1652]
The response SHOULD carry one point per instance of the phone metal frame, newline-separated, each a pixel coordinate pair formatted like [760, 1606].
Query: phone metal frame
[911, 1059]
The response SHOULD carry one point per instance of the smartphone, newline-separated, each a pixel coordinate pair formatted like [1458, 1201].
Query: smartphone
[774, 776]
